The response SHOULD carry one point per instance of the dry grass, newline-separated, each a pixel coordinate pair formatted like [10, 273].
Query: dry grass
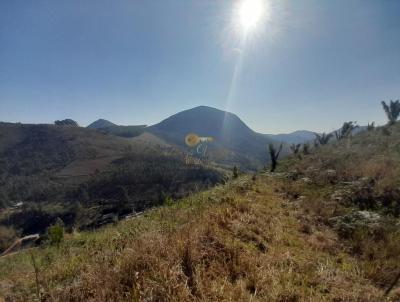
[240, 242]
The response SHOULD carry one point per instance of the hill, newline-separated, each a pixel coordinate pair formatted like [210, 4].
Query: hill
[117, 130]
[82, 175]
[100, 124]
[234, 142]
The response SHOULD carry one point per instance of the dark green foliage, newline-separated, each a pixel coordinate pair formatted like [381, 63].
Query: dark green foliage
[36, 218]
[55, 233]
[274, 155]
[295, 148]
[346, 130]
[323, 139]
[139, 179]
[66, 122]
[235, 172]
[392, 111]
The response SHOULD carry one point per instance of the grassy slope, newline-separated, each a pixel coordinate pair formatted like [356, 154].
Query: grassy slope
[245, 241]
[373, 154]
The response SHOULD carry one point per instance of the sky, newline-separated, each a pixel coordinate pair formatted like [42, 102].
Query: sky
[307, 64]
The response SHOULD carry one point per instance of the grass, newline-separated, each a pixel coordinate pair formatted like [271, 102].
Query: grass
[244, 241]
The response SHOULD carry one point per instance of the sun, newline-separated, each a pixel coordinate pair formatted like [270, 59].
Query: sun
[250, 13]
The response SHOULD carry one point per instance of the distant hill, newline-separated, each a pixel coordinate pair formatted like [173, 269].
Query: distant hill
[297, 137]
[101, 124]
[234, 142]
[63, 168]
[111, 128]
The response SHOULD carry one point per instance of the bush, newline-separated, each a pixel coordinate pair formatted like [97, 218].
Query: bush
[56, 233]
[235, 172]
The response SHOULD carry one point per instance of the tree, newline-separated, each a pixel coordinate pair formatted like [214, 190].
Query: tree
[66, 122]
[306, 148]
[371, 126]
[322, 139]
[274, 155]
[295, 148]
[346, 130]
[392, 111]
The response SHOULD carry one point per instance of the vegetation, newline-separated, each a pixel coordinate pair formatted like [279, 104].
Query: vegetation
[235, 172]
[274, 155]
[124, 131]
[306, 148]
[85, 177]
[66, 122]
[323, 139]
[56, 233]
[295, 148]
[346, 130]
[238, 242]
[7, 237]
[392, 111]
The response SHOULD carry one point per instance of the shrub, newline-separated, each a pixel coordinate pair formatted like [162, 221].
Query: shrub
[235, 172]
[56, 233]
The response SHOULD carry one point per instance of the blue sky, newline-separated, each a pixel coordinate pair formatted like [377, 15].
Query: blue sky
[311, 65]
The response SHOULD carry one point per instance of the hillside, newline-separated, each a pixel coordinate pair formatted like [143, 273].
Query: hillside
[234, 142]
[239, 242]
[310, 232]
[83, 176]
[373, 156]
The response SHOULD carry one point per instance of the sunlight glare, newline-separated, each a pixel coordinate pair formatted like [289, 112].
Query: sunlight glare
[250, 13]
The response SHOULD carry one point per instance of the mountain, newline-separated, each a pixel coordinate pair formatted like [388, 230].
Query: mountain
[297, 137]
[101, 124]
[234, 142]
